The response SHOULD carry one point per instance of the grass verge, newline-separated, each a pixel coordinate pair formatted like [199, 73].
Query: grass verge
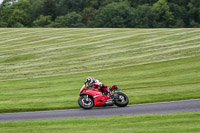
[165, 123]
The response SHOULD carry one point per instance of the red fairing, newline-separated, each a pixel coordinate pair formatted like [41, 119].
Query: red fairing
[98, 97]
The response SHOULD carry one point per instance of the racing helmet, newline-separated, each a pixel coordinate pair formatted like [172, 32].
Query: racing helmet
[89, 80]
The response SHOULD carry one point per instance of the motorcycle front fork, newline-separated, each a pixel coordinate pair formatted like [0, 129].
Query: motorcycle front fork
[86, 98]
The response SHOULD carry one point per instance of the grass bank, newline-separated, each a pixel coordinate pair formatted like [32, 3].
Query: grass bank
[173, 123]
[43, 69]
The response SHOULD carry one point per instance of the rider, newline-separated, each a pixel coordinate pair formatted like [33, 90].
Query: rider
[94, 82]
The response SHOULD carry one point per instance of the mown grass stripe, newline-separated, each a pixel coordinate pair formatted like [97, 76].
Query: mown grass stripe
[52, 31]
[135, 49]
[18, 38]
[45, 35]
[166, 50]
[48, 45]
[85, 44]
[48, 38]
[29, 70]
[50, 72]
[44, 38]
[97, 70]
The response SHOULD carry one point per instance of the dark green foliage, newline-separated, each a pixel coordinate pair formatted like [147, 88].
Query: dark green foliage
[71, 20]
[180, 15]
[89, 14]
[194, 13]
[59, 22]
[42, 21]
[36, 9]
[65, 6]
[49, 7]
[101, 13]
[144, 17]
[135, 3]
[3, 24]
[180, 2]
[15, 15]
[165, 16]
[114, 15]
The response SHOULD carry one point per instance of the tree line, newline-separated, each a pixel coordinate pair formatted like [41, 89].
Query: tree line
[100, 13]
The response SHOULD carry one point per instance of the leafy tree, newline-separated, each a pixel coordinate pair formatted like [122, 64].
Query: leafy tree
[89, 14]
[3, 24]
[4, 15]
[180, 2]
[144, 17]
[17, 18]
[73, 20]
[36, 9]
[99, 3]
[114, 15]
[100, 13]
[165, 17]
[42, 21]
[17, 13]
[180, 15]
[49, 7]
[69, 20]
[59, 22]
[65, 6]
[194, 13]
[43, 7]
[135, 3]
[18, 25]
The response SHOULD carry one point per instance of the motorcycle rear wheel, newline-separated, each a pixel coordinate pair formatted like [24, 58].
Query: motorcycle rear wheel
[122, 100]
[85, 104]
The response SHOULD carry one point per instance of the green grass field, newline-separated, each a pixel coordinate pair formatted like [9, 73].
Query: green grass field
[43, 69]
[163, 123]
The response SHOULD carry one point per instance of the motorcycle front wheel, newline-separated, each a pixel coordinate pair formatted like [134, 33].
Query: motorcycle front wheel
[122, 100]
[85, 103]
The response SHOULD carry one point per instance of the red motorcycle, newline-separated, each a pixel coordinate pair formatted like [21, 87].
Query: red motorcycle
[91, 96]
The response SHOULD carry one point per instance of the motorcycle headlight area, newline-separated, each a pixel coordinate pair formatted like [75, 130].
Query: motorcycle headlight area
[82, 91]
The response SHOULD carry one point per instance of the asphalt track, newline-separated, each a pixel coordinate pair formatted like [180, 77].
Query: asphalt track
[138, 109]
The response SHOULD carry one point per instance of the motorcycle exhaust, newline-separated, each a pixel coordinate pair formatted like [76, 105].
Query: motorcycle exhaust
[109, 103]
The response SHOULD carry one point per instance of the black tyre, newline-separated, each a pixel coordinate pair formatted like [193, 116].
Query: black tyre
[122, 100]
[85, 104]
